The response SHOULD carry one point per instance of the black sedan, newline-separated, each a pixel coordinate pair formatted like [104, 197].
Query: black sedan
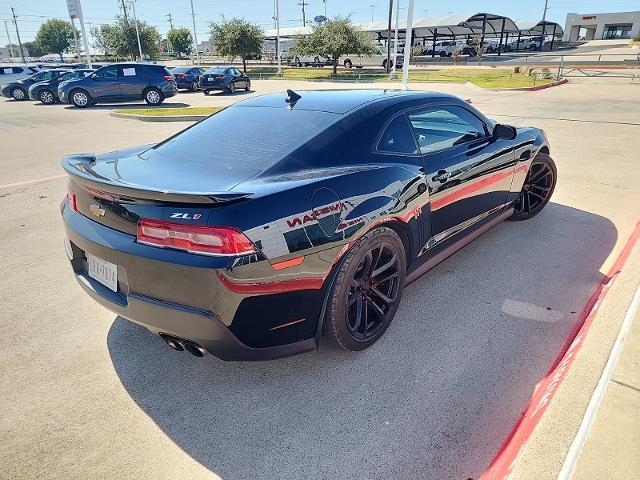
[279, 218]
[47, 91]
[187, 77]
[227, 79]
[19, 90]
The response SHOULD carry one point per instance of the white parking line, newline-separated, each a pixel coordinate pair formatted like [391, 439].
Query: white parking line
[573, 454]
[32, 182]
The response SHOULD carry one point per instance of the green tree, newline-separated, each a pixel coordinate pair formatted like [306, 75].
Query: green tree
[180, 40]
[55, 36]
[33, 49]
[237, 38]
[334, 38]
[121, 37]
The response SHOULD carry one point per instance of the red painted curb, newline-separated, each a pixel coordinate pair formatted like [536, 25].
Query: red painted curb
[542, 87]
[545, 390]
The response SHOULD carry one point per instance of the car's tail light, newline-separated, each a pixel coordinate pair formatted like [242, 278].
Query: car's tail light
[194, 238]
[169, 78]
[71, 198]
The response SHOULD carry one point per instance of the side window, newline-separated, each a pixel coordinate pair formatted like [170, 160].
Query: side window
[229, 71]
[444, 127]
[397, 138]
[17, 70]
[108, 72]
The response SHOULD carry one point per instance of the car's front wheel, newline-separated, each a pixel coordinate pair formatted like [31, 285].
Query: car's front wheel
[367, 290]
[80, 98]
[194, 86]
[47, 97]
[153, 96]
[18, 93]
[537, 189]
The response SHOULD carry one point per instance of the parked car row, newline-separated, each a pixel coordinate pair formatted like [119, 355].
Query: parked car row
[121, 82]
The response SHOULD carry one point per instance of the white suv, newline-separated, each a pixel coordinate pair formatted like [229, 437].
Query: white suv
[445, 48]
[12, 72]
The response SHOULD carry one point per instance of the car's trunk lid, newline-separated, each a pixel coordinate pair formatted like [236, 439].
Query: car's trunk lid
[120, 188]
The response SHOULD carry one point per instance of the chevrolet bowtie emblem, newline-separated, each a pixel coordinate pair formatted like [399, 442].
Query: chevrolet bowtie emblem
[96, 210]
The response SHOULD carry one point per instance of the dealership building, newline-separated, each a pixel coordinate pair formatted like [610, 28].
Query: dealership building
[601, 26]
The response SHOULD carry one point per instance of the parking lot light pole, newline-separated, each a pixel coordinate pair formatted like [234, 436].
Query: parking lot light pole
[278, 37]
[135, 22]
[195, 35]
[407, 48]
[395, 42]
[6, 28]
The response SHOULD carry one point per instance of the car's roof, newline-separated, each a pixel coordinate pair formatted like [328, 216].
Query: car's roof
[335, 101]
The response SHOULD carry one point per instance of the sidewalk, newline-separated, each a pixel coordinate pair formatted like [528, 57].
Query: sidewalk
[612, 448]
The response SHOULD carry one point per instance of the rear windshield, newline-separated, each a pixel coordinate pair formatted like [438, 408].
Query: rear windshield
[244, 141]
[181, 69]
[216, 70]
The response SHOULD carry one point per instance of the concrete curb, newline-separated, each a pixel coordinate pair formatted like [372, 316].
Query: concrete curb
[166, 118]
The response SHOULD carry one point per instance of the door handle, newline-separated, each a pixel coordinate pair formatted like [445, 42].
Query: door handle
[442, 176]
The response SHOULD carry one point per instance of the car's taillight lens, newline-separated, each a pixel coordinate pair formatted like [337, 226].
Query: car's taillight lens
[194, 238]
[169, 78]
[71, 198]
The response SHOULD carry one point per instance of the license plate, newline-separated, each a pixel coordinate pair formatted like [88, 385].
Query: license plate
[210, 78]
[104, 272]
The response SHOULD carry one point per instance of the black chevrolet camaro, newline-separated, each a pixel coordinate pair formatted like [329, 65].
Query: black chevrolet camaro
[284, 216]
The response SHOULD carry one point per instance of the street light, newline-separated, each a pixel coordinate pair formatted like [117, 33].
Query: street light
[135, 20]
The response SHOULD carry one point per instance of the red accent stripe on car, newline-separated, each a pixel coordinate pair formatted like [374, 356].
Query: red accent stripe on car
[278, 286]
[472, 187]
[288, 263]
[288, 324]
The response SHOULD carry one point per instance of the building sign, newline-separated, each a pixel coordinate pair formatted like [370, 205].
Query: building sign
[589, 17]
[73, 7]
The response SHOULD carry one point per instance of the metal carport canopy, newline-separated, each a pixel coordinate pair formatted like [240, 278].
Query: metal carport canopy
[541, 28]
[454, 25]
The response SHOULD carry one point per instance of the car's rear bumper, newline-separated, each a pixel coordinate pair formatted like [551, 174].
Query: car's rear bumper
[212, 86]
[148, 294]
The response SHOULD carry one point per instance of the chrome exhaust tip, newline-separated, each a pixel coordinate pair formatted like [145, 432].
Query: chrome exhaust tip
[194, 349]
[173, 343]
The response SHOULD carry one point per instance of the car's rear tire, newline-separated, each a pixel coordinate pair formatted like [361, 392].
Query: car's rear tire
[47, 97]
[80, 98]
[537, 188]
[153, 96]
[367, 290]
[206, 92]
[348, 63]
[18, 94]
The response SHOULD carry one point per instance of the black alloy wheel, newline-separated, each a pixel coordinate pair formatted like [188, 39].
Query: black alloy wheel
[367, 291]
[537, 189]
[194, 86]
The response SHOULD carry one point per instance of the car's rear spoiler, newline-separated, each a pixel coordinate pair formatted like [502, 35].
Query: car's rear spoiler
[78, 166]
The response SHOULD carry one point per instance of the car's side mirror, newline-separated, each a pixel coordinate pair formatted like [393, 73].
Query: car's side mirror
[94, 76]
[504, 132]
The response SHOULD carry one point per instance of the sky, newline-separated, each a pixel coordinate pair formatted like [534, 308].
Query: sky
[31, 13]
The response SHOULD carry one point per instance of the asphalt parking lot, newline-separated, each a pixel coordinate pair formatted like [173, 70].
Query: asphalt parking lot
[89, 395]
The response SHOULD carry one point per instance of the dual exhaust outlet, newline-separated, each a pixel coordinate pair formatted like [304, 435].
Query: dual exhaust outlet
[180, 344]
